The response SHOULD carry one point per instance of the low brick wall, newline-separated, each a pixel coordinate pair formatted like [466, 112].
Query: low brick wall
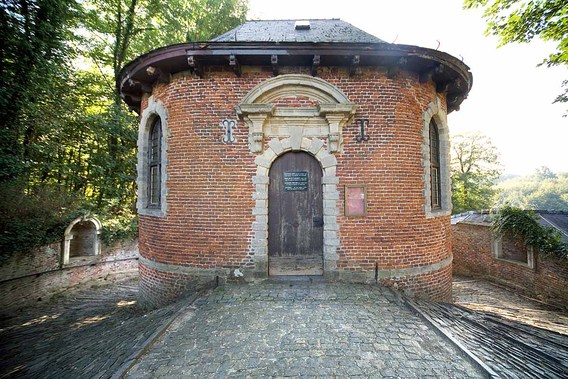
[32, 277]
[473, 256]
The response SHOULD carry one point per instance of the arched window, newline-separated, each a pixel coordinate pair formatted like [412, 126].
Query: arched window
[435, 182]
[155, 163]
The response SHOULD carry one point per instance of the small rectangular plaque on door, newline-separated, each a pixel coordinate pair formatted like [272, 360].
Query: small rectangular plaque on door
[296, 181]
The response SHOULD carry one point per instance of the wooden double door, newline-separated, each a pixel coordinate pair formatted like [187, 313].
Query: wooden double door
[295, 216]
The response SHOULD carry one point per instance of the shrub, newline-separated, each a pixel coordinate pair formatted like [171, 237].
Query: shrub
[32, 219]
[523, 223]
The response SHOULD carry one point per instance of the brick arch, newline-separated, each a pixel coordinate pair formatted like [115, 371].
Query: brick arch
[276, 148]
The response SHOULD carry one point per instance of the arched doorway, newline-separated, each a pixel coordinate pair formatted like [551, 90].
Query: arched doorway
[295, 215]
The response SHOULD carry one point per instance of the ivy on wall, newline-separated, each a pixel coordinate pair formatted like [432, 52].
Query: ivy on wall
[523, 223]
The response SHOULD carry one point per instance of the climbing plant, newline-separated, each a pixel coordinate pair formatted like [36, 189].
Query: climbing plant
[523, 223]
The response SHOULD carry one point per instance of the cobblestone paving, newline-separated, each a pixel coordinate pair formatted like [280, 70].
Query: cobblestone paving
[87, 333]
[481, 295]
[301, 330]
[511, 349]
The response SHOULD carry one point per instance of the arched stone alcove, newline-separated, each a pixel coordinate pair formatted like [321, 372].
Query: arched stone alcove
[82, 238]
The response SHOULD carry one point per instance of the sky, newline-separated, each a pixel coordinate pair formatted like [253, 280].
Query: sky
[511, 98]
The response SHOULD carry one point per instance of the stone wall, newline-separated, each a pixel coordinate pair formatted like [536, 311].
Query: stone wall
[212, 219]
[473, 256]
[27, 278]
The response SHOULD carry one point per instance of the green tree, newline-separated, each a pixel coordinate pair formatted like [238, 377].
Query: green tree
[34, 57]
[67, 142]
[544, 190]
[544, 173]
[475, 168]
[119, 30]
[521, 21]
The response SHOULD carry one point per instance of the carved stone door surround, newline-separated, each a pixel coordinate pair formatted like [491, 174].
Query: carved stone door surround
[316, 130]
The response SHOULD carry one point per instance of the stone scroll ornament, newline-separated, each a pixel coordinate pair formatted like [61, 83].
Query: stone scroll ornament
[228, 126]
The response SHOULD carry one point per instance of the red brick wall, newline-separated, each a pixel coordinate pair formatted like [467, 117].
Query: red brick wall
[548, 280]
[36, 276]
[159, 288]
[209, 217]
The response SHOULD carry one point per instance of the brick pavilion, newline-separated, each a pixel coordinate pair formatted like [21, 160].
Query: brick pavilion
[294, 147]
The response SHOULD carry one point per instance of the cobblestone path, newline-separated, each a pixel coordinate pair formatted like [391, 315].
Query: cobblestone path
[301, 329]
[481, 295]
[511, 349]
[276, 329]
[85, 334]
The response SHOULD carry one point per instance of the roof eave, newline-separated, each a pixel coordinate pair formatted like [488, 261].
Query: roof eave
[450, 75]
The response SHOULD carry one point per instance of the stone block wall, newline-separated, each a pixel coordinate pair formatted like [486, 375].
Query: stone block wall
[212, 221]
[473, 256]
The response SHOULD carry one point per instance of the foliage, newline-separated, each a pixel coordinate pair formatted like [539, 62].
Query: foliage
[67, 142]
[543, 190]
[127, 28]
[119, 226]
[521, 21]
[523, 223]
[475, 167]
[33, 60]
[38, 218]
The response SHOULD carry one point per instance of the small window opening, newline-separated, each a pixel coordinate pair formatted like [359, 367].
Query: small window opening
[435, 185]
[155, 164]
[84, 240]
[513, 249]
[81, 239]
[302, 25]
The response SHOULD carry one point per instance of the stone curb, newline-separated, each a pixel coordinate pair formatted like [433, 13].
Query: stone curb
[441, 332]
[133, 358]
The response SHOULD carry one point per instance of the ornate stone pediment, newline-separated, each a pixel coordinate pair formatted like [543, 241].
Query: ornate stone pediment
[324, 121]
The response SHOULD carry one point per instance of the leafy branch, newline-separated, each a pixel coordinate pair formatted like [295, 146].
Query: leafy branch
[523, 223]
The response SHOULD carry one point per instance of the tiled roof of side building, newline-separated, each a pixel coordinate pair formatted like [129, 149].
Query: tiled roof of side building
[557, 220]
[333, 30]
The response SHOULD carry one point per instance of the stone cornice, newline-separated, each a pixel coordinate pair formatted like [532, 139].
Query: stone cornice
[450, 75]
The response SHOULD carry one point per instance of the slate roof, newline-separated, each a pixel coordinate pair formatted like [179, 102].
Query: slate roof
[325, 31]
[548, 219]
[558, 220]
[277, 43]
[472, 217]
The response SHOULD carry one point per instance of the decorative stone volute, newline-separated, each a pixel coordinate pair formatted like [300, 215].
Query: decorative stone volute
[255, 116]
[337, 115]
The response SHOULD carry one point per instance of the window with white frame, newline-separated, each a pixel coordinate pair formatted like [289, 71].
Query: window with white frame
[436, 161]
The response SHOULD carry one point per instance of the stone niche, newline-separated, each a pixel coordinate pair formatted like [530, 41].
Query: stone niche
[82, 239]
